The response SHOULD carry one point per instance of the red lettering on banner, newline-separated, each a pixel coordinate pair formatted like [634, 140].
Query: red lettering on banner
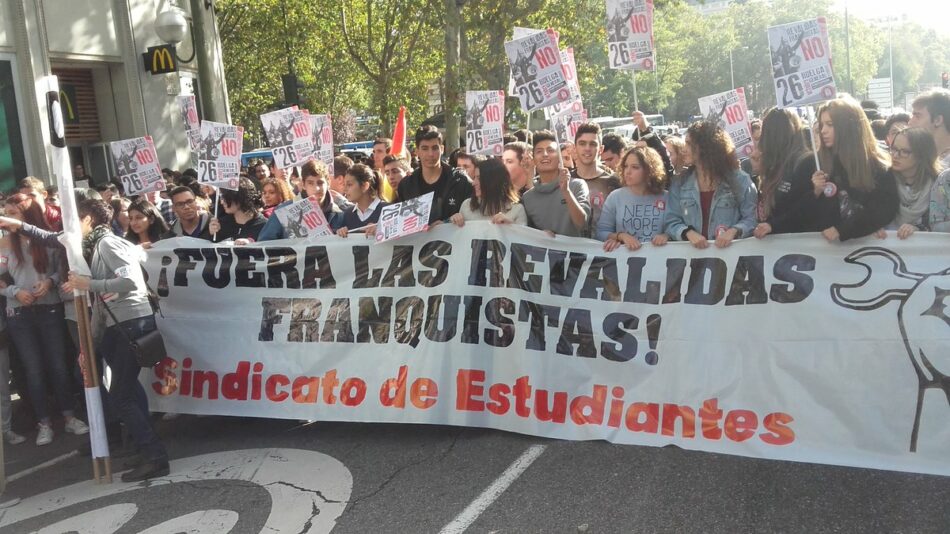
[329, 385]
[498, 402]
[616, 407]
[555, 414]
[466, 388]
[186, 377]
[205, 377]
[779, 432]
[672, 412]
[353, 392]
[709, 415]
[305, 389]
[274, 382]
[167, 379]
[594, 405]
[234, 385]
[256, 381]
[393, 391]
[740, 425]
[522, 392]
[423, 393]
[652, 412]
[248, 382]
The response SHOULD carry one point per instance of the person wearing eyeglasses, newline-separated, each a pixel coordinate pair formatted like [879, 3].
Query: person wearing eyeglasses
[191, 221]
[914, 168]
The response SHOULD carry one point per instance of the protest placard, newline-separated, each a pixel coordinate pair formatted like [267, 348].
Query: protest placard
[137, 167]
[189, 117]
[630, 34]
[537, 70]
[289, 136]
[404, 218]
[303, 218]
[219, 154]
[518, 33]
[570, 73]
[568, 121]
[729, 110]
[321, 129]
[484, 122]
[801, 63]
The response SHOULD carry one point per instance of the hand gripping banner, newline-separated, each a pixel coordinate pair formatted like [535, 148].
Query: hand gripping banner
[785, 348]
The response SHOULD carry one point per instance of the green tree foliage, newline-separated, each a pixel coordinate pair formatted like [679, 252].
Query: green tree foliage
[390, 51]
[921, 55]
[264, 39]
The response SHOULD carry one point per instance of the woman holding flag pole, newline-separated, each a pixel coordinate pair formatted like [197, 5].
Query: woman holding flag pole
[122, 312]
[855, 195]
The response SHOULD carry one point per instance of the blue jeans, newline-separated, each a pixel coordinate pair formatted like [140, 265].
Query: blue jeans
[39, 333]
[125, 390]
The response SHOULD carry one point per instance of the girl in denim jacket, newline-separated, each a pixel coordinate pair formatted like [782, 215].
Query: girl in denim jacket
[714, 199]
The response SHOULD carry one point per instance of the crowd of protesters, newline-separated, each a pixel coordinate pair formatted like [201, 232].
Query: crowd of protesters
[876, 174]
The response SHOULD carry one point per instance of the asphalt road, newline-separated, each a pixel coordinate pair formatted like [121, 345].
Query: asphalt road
[253, 475]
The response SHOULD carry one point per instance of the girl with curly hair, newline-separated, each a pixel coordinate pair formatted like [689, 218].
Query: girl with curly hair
[713, 199]
[634, 214]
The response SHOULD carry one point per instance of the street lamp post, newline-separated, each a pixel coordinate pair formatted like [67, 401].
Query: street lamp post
[171, 26]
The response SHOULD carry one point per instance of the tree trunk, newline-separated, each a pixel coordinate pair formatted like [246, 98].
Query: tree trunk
[453, 25]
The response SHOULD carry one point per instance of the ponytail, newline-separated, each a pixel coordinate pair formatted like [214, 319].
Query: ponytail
[363, 174]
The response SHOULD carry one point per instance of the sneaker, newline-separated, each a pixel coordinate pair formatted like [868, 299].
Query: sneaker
[76, 426]
[45, 434]
[13, 438]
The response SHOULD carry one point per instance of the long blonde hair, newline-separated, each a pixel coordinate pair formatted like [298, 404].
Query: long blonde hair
[854, 147]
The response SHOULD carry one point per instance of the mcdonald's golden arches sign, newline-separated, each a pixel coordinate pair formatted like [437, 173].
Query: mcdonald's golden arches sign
[160, 59]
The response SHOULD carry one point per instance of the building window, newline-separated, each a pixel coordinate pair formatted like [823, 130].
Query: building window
[12, 157]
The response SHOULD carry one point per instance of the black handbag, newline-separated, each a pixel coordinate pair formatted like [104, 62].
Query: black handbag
[149, 349]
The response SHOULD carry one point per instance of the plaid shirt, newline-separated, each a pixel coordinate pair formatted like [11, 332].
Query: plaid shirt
[165, 206]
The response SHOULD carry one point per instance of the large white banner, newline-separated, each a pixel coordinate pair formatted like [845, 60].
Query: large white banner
[786, 348]
[801, 63]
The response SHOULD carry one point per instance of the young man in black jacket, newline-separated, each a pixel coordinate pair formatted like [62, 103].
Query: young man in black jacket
[451, 186]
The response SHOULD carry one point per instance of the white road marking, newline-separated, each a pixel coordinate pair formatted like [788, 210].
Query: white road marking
[309, 490]
[206, 522]
[105, 520]
[49, 463]
[492, 492]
